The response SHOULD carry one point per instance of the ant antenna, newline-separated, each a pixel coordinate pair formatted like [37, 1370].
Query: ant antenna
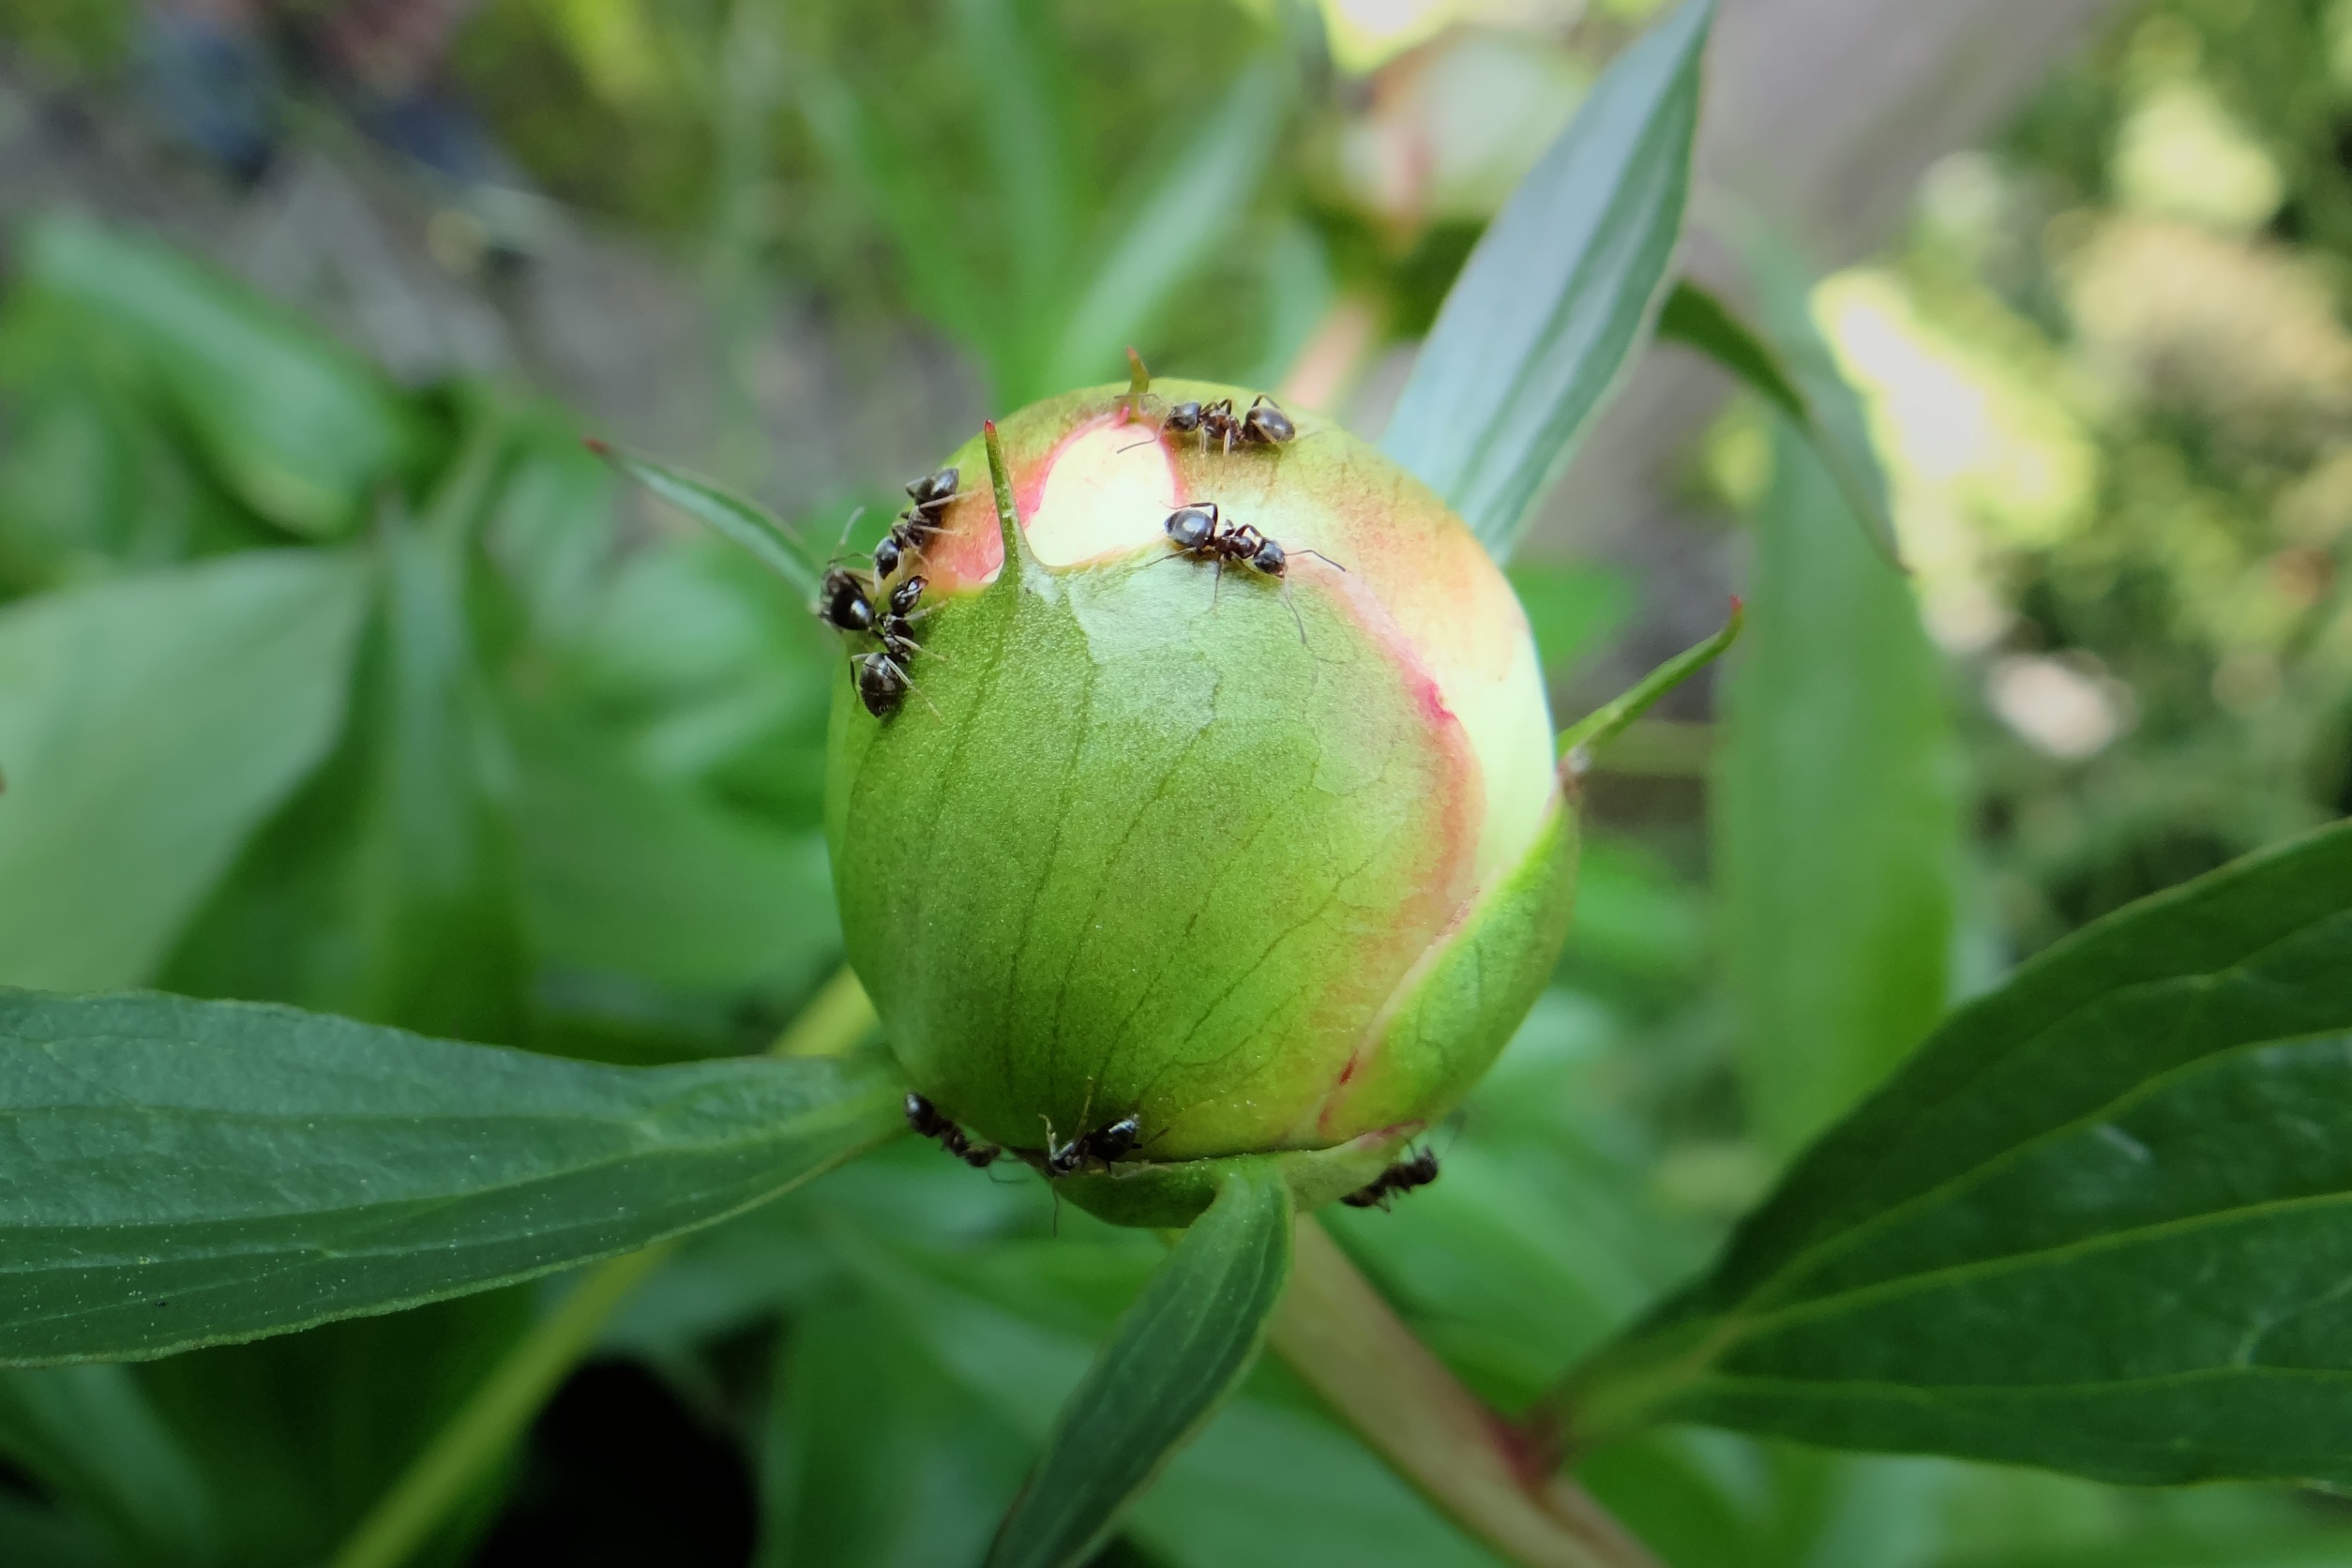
[1294, 612]
[1320, 556]
[856, 514]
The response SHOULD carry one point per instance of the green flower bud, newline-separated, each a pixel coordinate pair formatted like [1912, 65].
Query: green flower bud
[1273, 863]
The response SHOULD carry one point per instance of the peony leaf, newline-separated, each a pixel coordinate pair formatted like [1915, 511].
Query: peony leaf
[192, 1172]
[1533, 333]
[2096, 1223]
[1175, 1356]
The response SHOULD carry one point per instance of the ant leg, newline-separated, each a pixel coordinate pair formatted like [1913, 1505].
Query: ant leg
[916, 690]
[1218, 587]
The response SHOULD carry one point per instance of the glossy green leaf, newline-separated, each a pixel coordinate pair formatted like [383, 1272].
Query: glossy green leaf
[91, 1437]
[1175, 227]
[1175, 1356]
[299, 427]
[754, 528]
[1535, 329]
[147, 727]
[191, 1172]
[1837, 817]
[2094, 1225]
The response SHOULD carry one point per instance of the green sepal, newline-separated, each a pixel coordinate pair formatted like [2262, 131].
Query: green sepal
[1171, 1194]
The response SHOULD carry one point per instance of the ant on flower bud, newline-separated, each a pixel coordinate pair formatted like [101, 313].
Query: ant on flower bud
[1199, 531]
[1263, 425]
[1103, 1146]
[1417, 1171]
[925, 1118]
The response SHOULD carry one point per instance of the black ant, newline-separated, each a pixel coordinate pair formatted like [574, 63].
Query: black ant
[1104, 1146]
[925, 1118]
[1199, 533]
[1263, 425]
[1416, 1171]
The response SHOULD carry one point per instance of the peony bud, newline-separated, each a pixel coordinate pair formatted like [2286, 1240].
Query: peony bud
[1271, 862]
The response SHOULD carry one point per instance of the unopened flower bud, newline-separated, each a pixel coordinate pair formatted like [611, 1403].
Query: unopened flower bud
[1265, 849]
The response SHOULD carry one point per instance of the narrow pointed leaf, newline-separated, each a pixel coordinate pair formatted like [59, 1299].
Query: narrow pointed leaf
[2097, 1224]
[763, 534]
[1789, 364]
[1174, 1357]
[181, 1172]
[1553, 299]
[1604, 723]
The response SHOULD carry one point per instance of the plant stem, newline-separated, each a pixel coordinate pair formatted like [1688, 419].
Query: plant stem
[485, 1427]
[837, 1017]
[1489, 1476]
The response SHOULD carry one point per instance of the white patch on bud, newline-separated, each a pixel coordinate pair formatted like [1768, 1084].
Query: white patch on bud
[1108, 488]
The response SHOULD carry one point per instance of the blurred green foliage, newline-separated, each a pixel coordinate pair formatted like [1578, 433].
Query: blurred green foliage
[381, 701]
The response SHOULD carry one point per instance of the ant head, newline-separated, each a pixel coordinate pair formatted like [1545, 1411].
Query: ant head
[1192, 527]
[903, 597]
[1269, 558]
[843, 601]
[886, 553]
[1183, 418]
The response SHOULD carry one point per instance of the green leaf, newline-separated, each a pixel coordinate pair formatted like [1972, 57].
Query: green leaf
[299, 427]
[1837, 818]
[389, 889]
[766, 537]
[1795, 371]
[2095, 1225]
[147, 727]
[209, 1171]
[90, 1437]
[1197, 198]
[1534, 332]
[299, 1435]
[871, 1456]
[1604, 723]
[626, 875]
[1013, 56]
[1269, 1483]
[1175, 1356]
[1699, 318]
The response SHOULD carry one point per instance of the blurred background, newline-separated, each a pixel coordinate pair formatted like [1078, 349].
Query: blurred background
[333, 671]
